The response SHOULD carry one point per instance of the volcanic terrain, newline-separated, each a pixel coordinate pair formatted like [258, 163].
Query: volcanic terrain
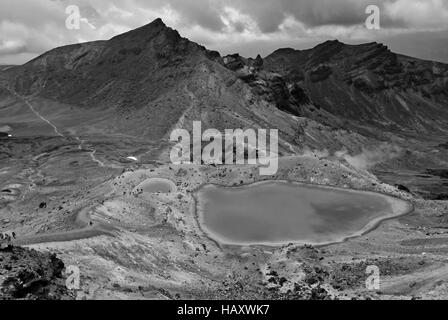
[88, 125]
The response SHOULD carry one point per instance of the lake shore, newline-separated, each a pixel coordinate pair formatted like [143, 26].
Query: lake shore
[398, 207]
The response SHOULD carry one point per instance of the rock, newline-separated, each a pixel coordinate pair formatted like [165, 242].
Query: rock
[321, 73]
[362, 85]
[258, 63]
[29, 274]
[319, 293]
[402, 188]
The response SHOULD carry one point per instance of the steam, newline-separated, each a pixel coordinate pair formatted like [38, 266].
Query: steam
[370, 156]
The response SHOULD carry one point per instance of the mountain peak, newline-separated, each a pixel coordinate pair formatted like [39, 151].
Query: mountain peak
[148, 30]
[157, 23]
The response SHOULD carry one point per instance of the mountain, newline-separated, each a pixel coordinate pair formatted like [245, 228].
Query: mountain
[366, 84]
[147, 81]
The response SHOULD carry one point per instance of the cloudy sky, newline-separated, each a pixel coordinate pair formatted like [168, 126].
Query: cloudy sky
[414, 27]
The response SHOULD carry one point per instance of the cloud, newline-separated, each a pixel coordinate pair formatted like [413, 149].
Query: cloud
[30, 27]
[419, 14]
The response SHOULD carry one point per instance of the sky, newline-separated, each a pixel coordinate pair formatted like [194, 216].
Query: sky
[417, 28]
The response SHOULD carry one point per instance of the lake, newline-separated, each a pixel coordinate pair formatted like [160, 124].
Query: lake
[281, 212]
[156, 185]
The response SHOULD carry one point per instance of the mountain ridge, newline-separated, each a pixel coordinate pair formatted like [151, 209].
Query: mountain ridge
[150, 80]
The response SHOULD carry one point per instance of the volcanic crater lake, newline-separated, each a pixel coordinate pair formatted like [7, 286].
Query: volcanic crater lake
[281, 212]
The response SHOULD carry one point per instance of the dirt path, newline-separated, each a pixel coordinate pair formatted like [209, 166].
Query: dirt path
[62, 236]
[43, 118]
[91, 153]
[55, 128]
[90, 229]
[30, 106]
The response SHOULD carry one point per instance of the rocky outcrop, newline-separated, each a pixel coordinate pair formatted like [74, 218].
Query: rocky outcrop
[359, 83]
[366, 83]
[29, 274]
[320, 73]
[269, 85]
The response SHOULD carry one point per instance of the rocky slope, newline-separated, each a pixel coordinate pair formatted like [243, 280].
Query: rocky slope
[367, 85]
